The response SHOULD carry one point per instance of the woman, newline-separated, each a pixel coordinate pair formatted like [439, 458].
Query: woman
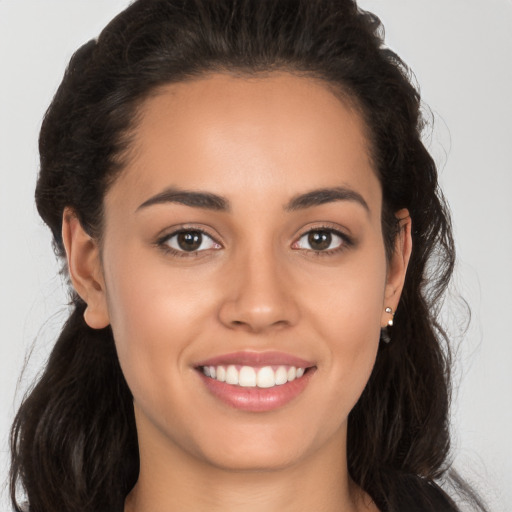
[247, 213]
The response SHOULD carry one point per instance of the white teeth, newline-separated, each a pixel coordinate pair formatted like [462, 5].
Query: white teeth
[266, 377]
[221, 374]
[249, 377]
[232, 375]
[281, 376]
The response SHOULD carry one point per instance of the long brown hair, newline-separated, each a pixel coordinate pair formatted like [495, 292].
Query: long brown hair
[74, 441]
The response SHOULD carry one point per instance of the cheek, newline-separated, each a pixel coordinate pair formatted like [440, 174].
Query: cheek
[154, 317]
[347, 316]
[145, 294]
[352, 354]
[159, 314]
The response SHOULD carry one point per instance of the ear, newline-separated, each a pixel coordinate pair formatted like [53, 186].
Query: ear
[84, 264]
[397, 266]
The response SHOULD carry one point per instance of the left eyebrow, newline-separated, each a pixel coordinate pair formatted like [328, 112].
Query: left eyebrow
[325, 195]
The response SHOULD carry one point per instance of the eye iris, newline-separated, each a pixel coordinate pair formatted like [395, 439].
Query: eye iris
[189, 240]
[320, 240]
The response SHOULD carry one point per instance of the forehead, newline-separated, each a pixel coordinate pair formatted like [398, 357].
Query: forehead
[232, 135]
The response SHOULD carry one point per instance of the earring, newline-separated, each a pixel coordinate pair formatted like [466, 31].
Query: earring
[384, 333]
[390, 321]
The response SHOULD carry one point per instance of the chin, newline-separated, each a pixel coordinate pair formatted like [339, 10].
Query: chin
[267, 447]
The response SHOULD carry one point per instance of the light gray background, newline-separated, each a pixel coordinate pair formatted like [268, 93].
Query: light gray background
[461, 53]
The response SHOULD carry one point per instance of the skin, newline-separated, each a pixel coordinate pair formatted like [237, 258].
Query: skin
[259, 285]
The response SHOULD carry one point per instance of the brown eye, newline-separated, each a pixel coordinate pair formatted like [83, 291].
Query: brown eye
[190, 241]
[321, 240]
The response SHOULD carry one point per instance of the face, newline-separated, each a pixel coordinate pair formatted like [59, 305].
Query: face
[243, 243]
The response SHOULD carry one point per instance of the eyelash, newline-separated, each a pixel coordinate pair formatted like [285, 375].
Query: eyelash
[346, 241]
[163, 242]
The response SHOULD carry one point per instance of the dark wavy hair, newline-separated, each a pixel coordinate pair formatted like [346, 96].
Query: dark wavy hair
[74, 440]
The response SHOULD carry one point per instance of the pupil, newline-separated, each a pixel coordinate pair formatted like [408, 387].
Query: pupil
[190, 240]
[320, 240]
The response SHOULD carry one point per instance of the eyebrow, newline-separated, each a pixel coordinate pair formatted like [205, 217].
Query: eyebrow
[325, 195]
[194, 199]
[210, 201]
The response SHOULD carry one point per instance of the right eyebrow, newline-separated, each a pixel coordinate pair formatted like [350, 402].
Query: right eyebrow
[205, 200]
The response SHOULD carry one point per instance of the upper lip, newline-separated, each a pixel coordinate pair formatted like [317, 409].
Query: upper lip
[250, 358]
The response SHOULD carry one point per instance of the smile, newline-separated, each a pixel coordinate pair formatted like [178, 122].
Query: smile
[250, 377]
[256, 382]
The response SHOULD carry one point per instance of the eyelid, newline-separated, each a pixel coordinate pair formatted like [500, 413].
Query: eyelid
[162, 240]
[348, 240]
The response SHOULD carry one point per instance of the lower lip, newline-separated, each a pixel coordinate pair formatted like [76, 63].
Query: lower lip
[256, 399]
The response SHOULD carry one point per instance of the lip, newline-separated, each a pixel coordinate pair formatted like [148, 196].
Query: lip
[254, 399]
[250, 358]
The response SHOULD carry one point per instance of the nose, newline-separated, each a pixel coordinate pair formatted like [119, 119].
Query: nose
[258, 295]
